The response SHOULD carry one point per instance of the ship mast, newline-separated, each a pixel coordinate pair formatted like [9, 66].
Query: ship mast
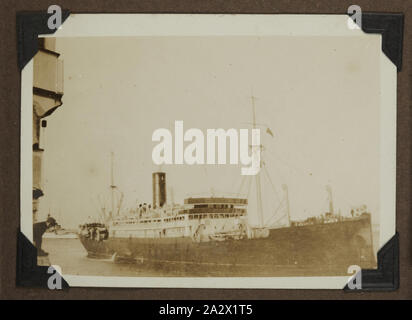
[112, 186]
[257, 176]
[286, 192]
[329, 190]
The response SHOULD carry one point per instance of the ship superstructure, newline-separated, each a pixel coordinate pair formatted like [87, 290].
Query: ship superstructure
[201, 219]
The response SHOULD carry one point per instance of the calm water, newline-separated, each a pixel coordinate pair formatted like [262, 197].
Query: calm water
[70, 255]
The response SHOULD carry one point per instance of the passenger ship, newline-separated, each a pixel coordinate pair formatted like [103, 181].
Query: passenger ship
[213, 233]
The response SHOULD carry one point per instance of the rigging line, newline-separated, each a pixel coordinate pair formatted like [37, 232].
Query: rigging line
[282, 179]
[299, 153]
[277, 220]
[101, 206]
[295, 168]
[300, 171]
[312, 180]
[271, 183]
[234, 183]
[242, 182]
[249, 187]
[276, 211]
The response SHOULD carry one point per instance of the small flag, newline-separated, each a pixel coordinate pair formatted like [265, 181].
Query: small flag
[270, 132]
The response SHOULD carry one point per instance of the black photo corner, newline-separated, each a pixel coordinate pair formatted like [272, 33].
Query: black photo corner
[29, 274]
[386, 276]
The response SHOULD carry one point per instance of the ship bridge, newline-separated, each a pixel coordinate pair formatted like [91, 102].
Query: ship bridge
[213, 200]
[212, 207]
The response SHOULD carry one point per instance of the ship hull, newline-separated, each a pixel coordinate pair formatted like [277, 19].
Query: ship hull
[96, 249]
[307, 250]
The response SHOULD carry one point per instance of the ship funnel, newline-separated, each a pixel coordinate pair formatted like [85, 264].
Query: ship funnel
[159, 189]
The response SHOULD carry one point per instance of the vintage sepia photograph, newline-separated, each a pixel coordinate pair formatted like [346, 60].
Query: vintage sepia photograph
[242, 159]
